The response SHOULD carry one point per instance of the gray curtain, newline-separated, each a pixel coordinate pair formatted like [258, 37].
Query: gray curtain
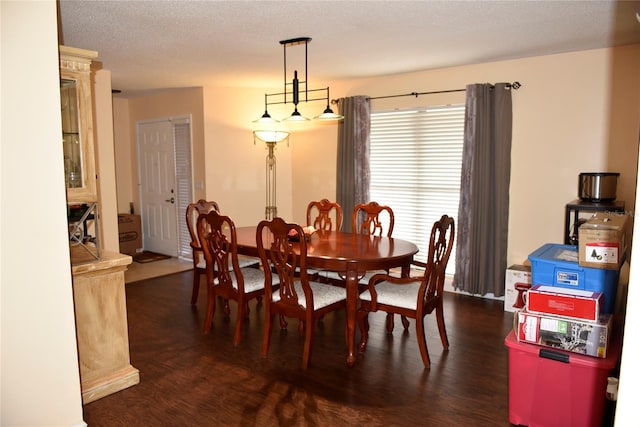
[483, 214]
[353, 174]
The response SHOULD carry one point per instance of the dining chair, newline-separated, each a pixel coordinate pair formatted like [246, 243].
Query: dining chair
[413, 297]
[296, 296]
[323, 214]
[368, 219]
[193, 211]
[372, 219]
[225, 277]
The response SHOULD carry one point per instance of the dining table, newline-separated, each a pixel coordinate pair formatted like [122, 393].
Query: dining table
[351, 255]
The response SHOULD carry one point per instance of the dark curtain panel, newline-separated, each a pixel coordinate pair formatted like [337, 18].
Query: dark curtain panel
[352, 185]
[483, 214]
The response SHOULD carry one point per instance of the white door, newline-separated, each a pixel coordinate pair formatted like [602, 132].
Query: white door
[156, 161]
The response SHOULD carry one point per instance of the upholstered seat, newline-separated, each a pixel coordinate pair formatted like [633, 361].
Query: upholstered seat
[296, 296]
[413, 297]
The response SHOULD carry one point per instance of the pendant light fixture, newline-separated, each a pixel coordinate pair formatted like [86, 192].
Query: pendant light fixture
[267, 130]
[293, 92]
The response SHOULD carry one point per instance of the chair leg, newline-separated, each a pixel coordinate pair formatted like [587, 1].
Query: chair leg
[237, 336]
[390, 323]
[363, 324]
[211, 309]
[308, 337]
[196, 286]
[266, 335]
[405, 322]
[422, 342]
[441, 327]
[283, 322]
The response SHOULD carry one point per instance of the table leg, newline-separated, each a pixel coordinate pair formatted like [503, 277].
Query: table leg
[352, 309]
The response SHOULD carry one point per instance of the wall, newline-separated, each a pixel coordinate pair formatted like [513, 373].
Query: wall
[39, 364]
[105, 160]
[570, 116]
[236, 171]
[164, 105]
[126, 173]
[576, 112]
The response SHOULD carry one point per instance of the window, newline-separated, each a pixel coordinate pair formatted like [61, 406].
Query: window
[416, 159]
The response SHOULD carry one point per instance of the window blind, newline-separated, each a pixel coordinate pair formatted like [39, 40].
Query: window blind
[415, 160]
[182, 144]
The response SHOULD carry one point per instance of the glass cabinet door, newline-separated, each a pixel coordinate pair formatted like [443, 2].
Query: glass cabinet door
[76, 105]
[71, 143]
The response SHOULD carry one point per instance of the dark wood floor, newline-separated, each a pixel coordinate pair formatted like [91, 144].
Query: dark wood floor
[188, 378]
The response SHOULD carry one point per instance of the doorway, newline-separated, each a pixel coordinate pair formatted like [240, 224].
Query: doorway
[165, 188]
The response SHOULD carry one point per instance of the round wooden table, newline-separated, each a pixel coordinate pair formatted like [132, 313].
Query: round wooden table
[349, 254]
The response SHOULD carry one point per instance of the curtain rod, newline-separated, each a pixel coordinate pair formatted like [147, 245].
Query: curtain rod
[515, 85]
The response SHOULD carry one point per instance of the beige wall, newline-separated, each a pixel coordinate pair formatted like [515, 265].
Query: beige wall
[576, 112]
[105, 161]
[165, 105]
[40, 380]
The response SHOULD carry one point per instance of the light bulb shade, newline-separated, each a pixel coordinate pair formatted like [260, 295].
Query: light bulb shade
[296, 117]
[266, 119]
[271, 136]
[328, 115]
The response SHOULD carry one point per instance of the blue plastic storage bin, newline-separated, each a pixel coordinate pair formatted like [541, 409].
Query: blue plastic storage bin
[557, 265]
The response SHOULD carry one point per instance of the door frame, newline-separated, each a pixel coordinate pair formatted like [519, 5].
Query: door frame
[181, 119]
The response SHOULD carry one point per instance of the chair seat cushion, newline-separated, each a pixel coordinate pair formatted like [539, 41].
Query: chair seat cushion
[333, 275]
[253, 279]
[323, 295]
[405, 296]
[243, 261]
[247, 261]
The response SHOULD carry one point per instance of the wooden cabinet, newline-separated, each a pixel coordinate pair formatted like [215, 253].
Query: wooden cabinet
[77, 124]
[101, 326]
[98, 276]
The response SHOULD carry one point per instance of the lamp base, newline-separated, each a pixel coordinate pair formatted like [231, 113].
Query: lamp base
[270, 212]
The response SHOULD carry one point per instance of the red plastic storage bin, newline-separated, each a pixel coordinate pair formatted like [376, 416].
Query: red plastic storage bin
[549, 387]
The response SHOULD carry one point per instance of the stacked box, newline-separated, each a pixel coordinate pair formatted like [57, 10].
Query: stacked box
[129, 233]
[570, 303]
[603, 241]
[516, 275]
[577, 336]
[557, 265]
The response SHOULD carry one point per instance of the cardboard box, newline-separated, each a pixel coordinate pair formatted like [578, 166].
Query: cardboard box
[130, 233]
[571, 303]
[603, 240]
[576, 336]
[515, 274]
[549, 387]
[557, 265]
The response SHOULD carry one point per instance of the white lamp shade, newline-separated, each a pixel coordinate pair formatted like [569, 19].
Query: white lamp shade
[273, 136]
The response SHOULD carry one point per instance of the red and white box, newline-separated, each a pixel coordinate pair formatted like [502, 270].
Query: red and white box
[517, 281]
[570, 303]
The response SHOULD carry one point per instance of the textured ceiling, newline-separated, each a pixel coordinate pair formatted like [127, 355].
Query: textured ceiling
[150, 45]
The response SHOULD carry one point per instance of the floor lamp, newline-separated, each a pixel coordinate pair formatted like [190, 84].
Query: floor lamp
[271, 138]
